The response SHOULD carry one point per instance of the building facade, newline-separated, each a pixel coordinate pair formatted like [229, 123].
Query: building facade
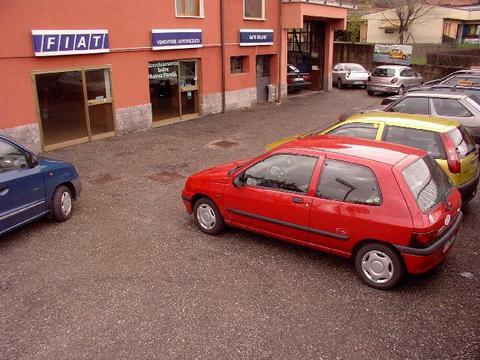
[440, 24]
[79, 71]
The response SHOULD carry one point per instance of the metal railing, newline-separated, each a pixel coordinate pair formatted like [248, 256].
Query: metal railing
[350, 4]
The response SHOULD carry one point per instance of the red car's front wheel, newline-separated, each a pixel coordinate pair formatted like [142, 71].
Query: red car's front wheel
[208, 217]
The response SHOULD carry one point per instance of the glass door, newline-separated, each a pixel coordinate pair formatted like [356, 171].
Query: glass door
[61, 107]
[188, 81]
[99, 103]
[163, 83]
[74, 106]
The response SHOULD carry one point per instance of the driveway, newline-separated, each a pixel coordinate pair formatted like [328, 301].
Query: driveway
[130, 277]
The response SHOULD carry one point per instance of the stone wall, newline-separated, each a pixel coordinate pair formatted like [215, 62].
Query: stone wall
[211, 104]
[240, 99]
[133, 118]
[27, 135]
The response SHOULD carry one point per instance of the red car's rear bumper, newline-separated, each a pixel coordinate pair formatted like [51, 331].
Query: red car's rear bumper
[419, 261]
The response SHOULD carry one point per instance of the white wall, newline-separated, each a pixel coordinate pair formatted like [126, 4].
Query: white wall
[427, 29]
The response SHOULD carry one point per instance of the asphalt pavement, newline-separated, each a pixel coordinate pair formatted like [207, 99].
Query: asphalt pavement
[129, 276]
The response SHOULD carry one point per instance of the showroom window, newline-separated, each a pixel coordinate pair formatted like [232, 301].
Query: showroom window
[350, 183]
[238, 64]
[254, 9]
[189, 8]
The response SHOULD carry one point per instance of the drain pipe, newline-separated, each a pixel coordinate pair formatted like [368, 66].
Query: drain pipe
[280, 55]
[222, 40]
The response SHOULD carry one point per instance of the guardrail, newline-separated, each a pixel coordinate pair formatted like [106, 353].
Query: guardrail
[350, 4]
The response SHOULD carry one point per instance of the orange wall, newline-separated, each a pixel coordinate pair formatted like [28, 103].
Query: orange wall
[129, 24]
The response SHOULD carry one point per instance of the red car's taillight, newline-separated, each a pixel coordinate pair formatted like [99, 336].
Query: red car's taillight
[453, 159]
[394, 80]
[289, 80]
[423, 239]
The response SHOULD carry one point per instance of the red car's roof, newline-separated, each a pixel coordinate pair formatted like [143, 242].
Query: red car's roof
[378, 151]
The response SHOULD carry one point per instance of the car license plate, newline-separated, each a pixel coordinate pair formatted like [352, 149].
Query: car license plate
[298, 79]
[379, 88]
[357, 82]
[449, 243]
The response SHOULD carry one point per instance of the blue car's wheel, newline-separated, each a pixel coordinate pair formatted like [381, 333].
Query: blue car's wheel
[62, 203]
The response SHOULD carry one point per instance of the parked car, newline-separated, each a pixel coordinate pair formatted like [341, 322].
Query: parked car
[446, 141]
[392, 79]
[388, 207]
[444, 89]
[348, 74]
[32, 186]
[462, 108]
[397, 54]
[457, 77]
[296, 80]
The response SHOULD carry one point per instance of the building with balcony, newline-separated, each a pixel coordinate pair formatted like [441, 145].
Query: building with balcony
[78, 71]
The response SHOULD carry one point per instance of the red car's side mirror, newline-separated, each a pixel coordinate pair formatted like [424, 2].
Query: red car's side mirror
[238, 181]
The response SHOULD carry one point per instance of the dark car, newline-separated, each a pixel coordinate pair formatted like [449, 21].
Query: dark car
[32, 186]
[457, 77]
[296, 80]
[463, 108]
[388, 207]
[463, 87]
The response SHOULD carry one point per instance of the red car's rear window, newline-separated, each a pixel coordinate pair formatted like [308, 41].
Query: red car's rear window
[428, 182]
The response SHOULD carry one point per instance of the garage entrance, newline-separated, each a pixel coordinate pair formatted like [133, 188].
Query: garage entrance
[306, 51]
[75, 106]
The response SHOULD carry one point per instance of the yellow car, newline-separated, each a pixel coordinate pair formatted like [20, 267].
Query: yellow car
[397, 54]
[447, 141]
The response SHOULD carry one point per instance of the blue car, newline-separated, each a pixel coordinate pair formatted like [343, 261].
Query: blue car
[32, 186]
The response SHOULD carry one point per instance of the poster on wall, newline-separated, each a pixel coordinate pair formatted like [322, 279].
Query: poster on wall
[393, 54]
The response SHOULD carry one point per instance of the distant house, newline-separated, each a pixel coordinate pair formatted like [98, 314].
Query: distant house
[441, 24]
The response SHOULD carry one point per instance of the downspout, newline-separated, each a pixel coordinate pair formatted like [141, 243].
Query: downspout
[222, 41]
[280, 55]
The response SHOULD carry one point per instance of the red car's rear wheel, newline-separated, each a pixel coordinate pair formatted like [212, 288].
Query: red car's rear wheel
[379, 266]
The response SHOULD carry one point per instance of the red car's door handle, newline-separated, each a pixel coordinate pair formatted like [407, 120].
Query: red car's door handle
[297, 200]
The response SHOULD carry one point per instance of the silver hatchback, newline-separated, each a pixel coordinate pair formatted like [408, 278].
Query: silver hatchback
[394, 79]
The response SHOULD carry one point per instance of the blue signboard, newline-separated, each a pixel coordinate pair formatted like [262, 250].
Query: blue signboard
[256, 37]
[168, 39]
[69, 42]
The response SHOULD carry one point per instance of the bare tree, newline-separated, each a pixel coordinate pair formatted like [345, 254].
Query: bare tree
[402, 13]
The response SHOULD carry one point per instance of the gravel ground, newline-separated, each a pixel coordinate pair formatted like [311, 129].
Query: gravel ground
[130, 277]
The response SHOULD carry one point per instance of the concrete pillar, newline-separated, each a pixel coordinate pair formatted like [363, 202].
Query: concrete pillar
[328, 59]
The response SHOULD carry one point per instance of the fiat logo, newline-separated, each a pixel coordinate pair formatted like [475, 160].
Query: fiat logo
[447, 220]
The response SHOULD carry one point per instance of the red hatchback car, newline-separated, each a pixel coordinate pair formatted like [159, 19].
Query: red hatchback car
[389, 207]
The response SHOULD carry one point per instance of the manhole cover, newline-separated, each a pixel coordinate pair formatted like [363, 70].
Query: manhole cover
[103, 179]
[224, 143]
[166, 177]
